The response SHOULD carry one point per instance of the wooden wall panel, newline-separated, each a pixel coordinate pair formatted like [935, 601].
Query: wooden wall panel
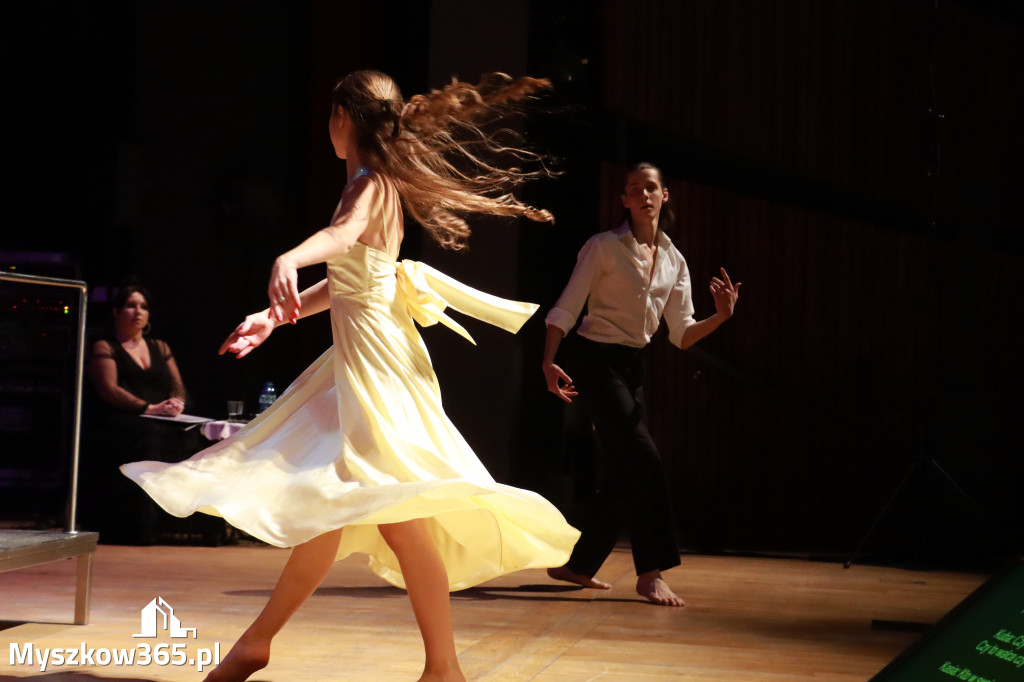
[796, 85]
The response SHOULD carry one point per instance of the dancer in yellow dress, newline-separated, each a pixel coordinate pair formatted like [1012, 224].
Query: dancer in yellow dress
[358, 455]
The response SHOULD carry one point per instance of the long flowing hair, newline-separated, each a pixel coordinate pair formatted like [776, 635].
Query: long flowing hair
[435, 148]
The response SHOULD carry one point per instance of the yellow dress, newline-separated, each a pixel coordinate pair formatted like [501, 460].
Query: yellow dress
[360, 438]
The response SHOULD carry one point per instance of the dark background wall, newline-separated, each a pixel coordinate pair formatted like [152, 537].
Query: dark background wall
[856, 164]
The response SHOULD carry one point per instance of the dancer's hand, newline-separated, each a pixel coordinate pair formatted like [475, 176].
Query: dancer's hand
[553, 374]
[283, 290]
[725, 293]
[253, 331]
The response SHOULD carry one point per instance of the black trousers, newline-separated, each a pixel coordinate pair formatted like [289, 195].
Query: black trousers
[634, 497]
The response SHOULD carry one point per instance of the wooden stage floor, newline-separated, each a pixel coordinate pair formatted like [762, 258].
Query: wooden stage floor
[746, 619]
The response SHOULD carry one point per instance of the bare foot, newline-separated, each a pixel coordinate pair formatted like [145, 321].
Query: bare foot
[651, 586]
[563, 573]
[245, 658]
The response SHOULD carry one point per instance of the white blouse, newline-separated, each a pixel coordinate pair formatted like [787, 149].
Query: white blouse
[624, 303]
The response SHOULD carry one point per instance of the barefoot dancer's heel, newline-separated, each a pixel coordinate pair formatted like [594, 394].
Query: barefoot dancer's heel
[654, 589]
[569, 576]
[242, 661]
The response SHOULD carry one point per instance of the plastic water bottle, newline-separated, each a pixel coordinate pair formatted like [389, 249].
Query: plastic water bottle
[268, 394]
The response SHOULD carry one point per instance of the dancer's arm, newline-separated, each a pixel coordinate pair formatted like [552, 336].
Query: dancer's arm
[335, 240]
[725, 294]
[552, 372]
[255, 328]
[562, 317]
[590, 264]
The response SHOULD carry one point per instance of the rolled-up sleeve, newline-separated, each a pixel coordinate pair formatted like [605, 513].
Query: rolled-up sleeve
[679, 307]
[569, 305]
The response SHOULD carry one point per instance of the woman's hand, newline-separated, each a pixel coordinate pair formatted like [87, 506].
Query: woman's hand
[553, 374]
[283, 290]
[253, 331]
[725, 293]
[171, 407]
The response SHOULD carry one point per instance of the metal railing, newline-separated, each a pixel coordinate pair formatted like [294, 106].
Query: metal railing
[79, 371]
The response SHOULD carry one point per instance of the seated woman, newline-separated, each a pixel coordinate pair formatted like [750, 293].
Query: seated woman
[134, 374]
[131, 375]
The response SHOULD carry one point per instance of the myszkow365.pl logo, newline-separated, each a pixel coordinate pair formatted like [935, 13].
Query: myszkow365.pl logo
[157, 616]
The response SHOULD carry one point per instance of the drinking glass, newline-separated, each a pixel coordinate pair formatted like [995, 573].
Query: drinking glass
[235, 409]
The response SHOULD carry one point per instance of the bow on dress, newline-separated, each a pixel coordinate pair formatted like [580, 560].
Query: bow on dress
[427, 292]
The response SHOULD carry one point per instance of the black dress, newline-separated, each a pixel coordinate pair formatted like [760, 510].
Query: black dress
[113, 435]
[152, 385]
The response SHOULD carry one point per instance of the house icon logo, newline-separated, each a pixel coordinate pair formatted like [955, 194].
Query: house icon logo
[151, 620]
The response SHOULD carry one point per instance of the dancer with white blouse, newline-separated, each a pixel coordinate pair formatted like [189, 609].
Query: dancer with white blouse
[630, 278]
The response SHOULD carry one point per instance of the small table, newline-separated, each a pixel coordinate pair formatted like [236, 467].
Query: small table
[213, 429]
[24, 548]
[219, 429]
